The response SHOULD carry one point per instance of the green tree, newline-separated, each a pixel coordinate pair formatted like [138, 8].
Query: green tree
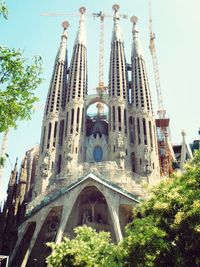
[19, 77]
[166, 229]
[3, 9]
[88, 248]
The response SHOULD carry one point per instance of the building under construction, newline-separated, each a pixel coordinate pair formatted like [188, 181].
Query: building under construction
[89, 169]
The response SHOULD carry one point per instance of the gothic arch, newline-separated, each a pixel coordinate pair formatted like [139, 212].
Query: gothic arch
[46, 234]
[91, 209]
[24, 245]
[95, 99]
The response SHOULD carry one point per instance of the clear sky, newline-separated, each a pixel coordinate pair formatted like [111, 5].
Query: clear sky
[177, 27]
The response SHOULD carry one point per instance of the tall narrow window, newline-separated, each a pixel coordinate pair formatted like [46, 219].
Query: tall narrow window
[119, 118]
[55, 129]
[77, 119]
[43, 139]
[82, 120]
[72, 120]
[125, 122]
[61, 132]
[144, 131]
[113, 118]
[138, 128]
[59, 162]
[49, 132]
[151, 136]
[66, 125]
[131, 129]
[49, 136]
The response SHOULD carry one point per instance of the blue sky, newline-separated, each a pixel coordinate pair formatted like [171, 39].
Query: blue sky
[177, 27]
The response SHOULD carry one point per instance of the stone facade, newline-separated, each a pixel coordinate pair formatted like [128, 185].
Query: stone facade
[91, 168]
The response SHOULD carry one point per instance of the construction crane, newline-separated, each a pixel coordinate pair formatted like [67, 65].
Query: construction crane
[3, 153]
[161, 110]
[166, 154]
[101, 86]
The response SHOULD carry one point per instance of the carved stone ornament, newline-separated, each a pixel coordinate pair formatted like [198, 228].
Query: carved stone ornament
[69, 156]
[122, 154]
[53, 115]
[120, 141]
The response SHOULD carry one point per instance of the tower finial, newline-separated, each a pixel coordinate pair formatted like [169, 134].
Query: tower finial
[81, 35]
[117, 32]
[82, 10]
[137, 47]
[115, 7]
[65, 24]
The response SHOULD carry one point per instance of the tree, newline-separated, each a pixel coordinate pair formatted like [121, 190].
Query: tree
[3, 9]
[165, 230]
[88, 248]
[19, 77]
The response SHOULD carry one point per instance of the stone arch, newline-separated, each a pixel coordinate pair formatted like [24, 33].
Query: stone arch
[94, 99]
[24, 244]
[91, 209]
[46, 234]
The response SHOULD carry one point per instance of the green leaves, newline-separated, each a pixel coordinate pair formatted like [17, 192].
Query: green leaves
[3, 10]
[166, 229]
[88, 248]
[19, 77]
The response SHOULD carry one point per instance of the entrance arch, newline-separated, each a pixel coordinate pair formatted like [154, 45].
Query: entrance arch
[90, 209]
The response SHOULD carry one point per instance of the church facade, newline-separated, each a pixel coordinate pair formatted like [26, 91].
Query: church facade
[89, 168]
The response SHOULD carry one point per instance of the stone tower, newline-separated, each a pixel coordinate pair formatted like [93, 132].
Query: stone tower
[91, 167]
[118, 96]
[142, 129]
[52, 117]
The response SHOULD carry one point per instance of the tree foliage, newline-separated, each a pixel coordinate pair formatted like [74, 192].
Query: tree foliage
[166, 229]
[88, 248]
[19, 77]
[3, 9]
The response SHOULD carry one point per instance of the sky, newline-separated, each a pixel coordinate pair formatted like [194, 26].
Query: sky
[176, 24]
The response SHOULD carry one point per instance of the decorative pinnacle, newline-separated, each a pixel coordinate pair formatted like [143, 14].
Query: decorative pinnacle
[82, 10]
[65, 24]
[115, 7]
[134, 20]
[183, 133]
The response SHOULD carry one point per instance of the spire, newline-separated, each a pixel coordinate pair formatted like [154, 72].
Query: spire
[81, 34]
[117, 32]
[13, 176]
[61, 56]
[137, 50]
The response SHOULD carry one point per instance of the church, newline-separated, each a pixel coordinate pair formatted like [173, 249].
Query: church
[89, 168]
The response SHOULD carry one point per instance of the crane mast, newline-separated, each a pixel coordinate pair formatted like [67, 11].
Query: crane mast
[161, 110]
[166, 153]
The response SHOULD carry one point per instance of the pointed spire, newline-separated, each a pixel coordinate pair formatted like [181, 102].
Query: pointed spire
[81, 34]
[13, 176]
[137, 50]
[117, 32]
[63, 44]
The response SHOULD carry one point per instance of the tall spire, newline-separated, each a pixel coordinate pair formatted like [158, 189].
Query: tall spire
[137, 50]
[81, 34]
[63, 44]
[141, 97]
[54, 105]
[118, 97]
[58, 82]
[117, 32]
